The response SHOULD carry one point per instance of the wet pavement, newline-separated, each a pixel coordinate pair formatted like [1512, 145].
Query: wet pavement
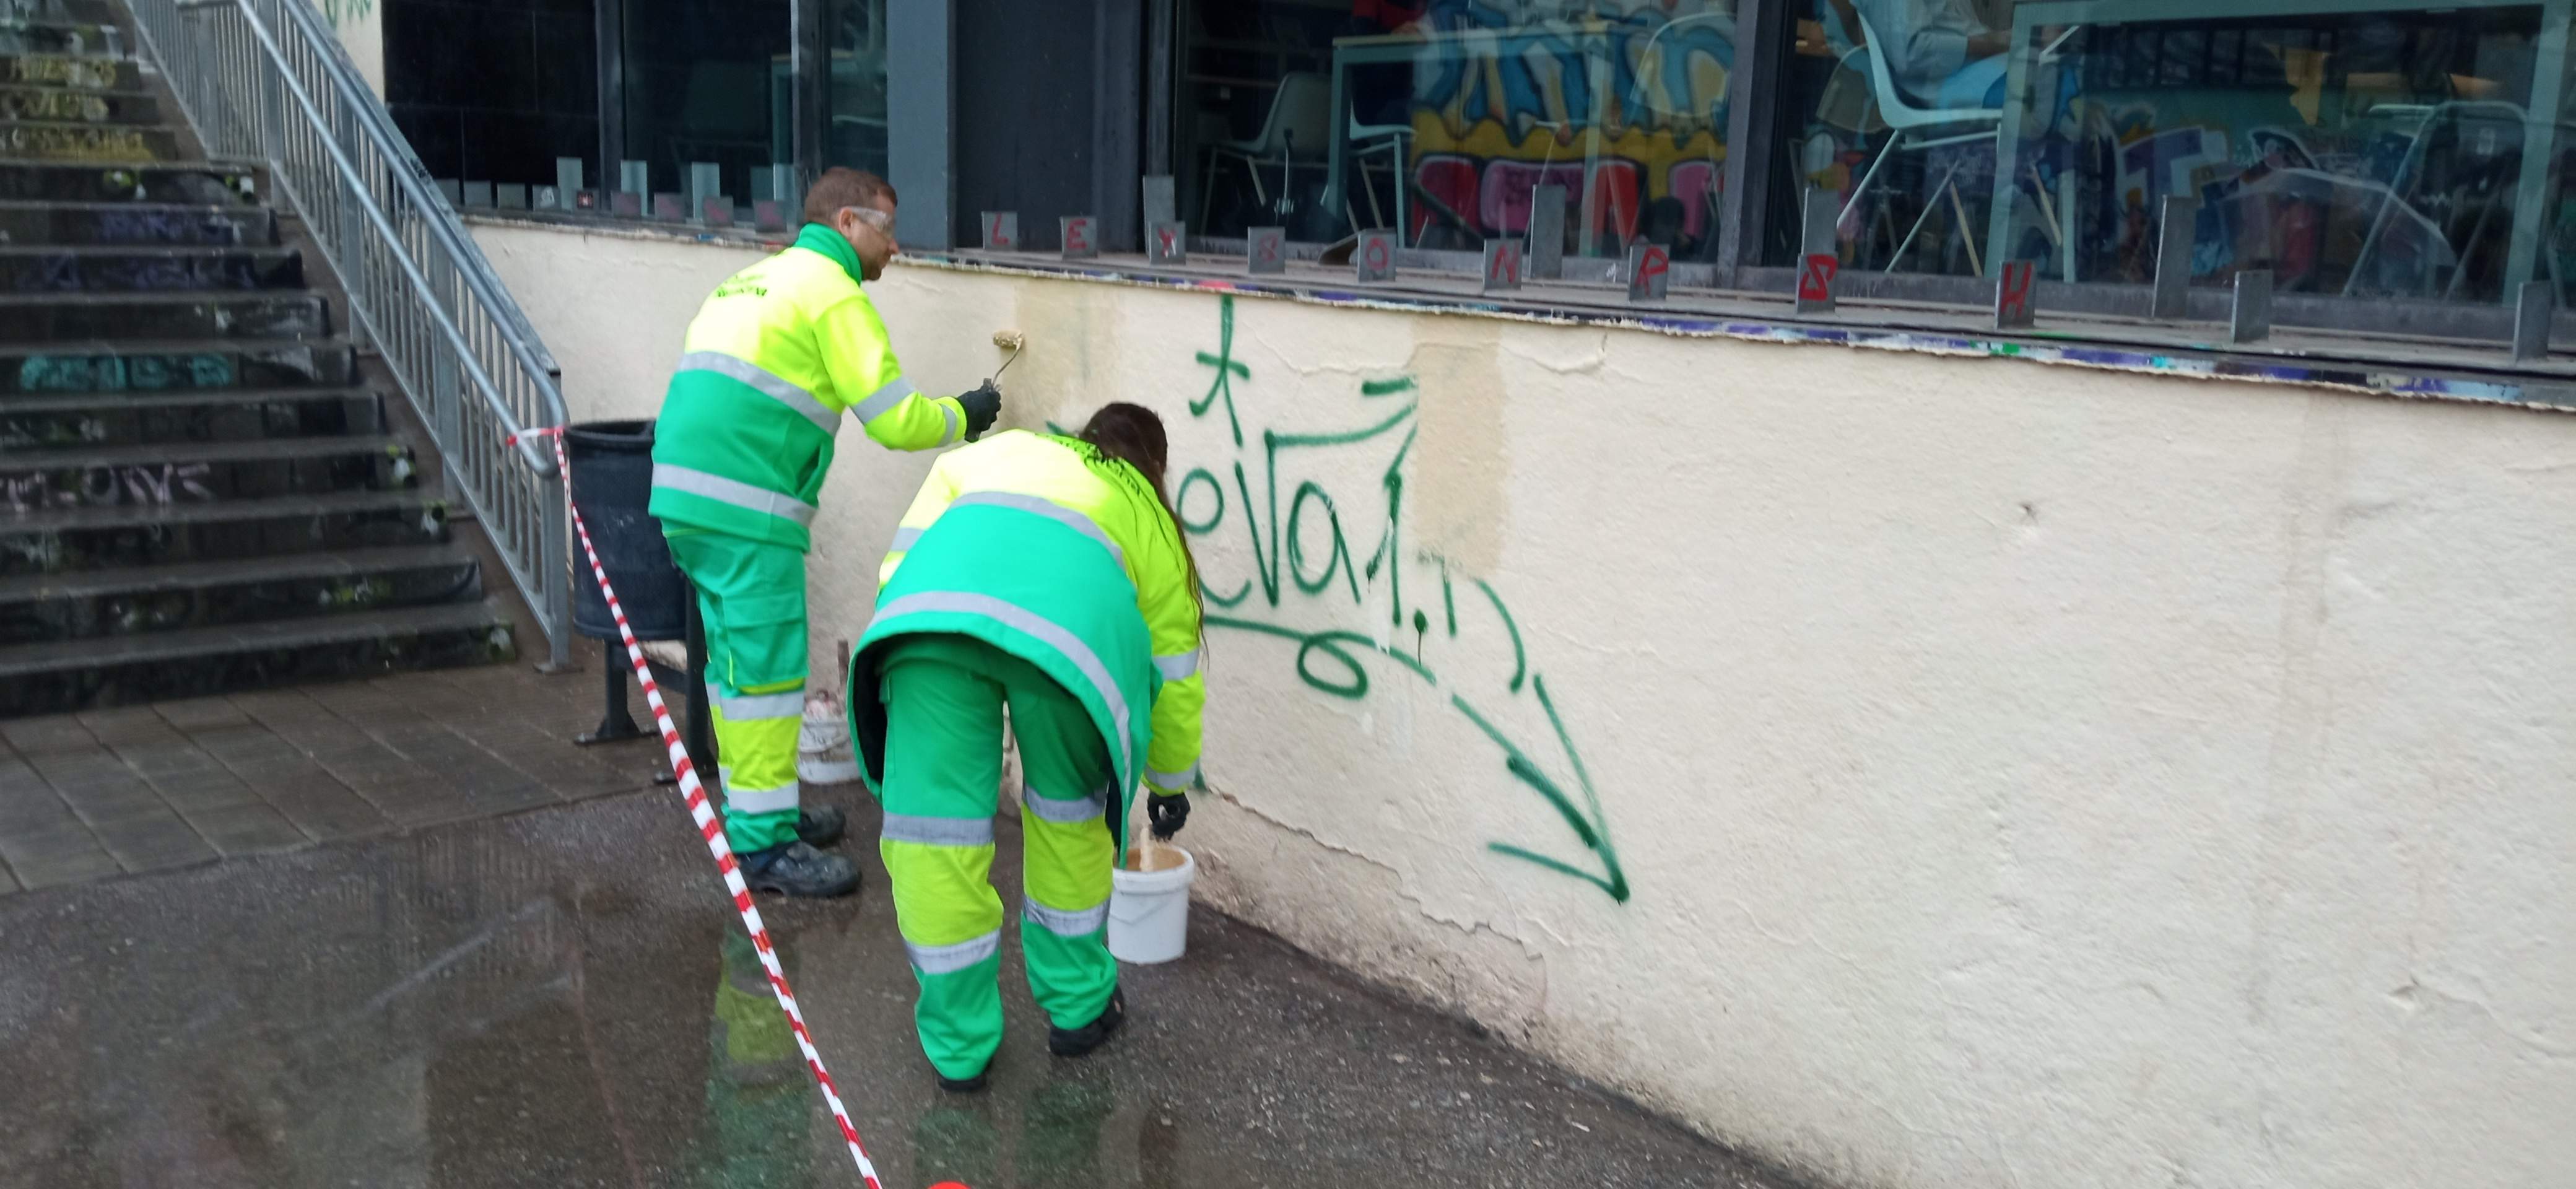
[562, 998]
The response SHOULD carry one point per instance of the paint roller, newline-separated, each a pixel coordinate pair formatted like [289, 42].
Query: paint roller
[1012, 341]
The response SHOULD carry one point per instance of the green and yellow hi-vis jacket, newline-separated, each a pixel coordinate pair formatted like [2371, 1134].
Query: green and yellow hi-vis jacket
[774, 358]
[1054, 553]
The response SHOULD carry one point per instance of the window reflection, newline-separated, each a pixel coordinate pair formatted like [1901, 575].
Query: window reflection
[2366, 154]
[701, 85]
[2361, 150]
[1440, 118]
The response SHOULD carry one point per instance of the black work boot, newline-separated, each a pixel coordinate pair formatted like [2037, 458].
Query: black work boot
[1074, 1042]
[971, 1085]
[795, 869]
[821, 825]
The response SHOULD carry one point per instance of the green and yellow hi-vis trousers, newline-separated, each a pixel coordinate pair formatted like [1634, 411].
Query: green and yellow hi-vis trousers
[944, 697]
[751, 597]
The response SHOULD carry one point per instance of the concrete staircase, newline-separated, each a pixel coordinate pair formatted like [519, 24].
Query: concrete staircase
[200, 489]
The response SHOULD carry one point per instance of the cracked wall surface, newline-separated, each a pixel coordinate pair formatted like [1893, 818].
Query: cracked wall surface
[1924, 771]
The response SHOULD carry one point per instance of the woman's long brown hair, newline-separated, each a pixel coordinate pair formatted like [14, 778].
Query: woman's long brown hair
[1133, 434]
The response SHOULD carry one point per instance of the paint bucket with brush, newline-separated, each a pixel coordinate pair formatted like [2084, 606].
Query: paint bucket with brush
[1149, 903]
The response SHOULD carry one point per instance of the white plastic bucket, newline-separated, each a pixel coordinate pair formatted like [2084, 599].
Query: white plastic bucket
[1149, 911]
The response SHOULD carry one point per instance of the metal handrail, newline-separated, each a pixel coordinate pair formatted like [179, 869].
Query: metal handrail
[267, 81]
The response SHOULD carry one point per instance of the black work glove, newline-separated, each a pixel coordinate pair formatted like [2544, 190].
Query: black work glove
[983, 408]
[1167, 813]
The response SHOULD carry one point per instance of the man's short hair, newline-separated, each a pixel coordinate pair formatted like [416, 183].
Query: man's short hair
[842, 186]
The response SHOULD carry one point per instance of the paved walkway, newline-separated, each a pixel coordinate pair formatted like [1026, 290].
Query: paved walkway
[152, 788]
[512, 965]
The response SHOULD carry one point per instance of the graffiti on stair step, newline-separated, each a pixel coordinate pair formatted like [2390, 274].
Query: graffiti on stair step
[64, 272]
[166, 227]
[78, 144]
[147, 484]
[55, 70]
[121, 373]
[66, 106]
[20, 433]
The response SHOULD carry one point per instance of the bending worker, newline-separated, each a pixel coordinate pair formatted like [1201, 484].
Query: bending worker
[774, 358]
[1047, 574]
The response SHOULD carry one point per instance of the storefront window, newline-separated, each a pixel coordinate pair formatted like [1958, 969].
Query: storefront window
[704, 80]
[857, 132]
[527, 93]
[2372, 152]
[1441, 118]
[2354, 148]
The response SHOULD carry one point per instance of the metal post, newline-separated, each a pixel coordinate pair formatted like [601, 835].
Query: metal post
[1161, 202]
[571, 174]
[706, 180]
[1754, 97]
[2537, 303]
[1820, 259]
[2173, 259]
[2250, 320]
[1547, 233]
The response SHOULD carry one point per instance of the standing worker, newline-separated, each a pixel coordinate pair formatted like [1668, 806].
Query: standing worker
[774, 358]
[1049, 574]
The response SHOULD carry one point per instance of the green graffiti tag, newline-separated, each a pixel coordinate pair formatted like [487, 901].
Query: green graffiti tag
[1227, 371]
[1308, 556]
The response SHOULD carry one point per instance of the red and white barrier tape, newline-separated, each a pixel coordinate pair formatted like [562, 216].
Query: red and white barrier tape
[712, 828]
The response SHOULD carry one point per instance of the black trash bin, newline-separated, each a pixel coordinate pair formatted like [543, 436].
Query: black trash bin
[612, 485]
[612, 488]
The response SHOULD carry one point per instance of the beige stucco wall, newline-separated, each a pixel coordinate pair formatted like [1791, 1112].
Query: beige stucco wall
[2021, 775]
[361, 24]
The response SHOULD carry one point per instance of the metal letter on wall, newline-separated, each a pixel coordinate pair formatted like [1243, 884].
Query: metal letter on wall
[1376, 256]
[1167, 243]
[668, 208]
[1081, 237]
[1001, 231]
[571, 174]
[1502, 265]
[1265, 250]
[2173, 259]
[1547, 233]
[717, 210]
[2015, 308]
[767, 215]
[626, 204]
[1650, 272]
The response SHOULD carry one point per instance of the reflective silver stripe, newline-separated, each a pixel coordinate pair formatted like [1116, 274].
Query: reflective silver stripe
[1083, 923]
[1172, 780]
[1052, 511]
[777, 800]
[903, 539]
[769, 385]
[884, 399]
[1064, 811]
[955, 426]
[938, 831]
[786, 705]
[1020, 618]
[729, 491]
[949, 959]
[1180, 667]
